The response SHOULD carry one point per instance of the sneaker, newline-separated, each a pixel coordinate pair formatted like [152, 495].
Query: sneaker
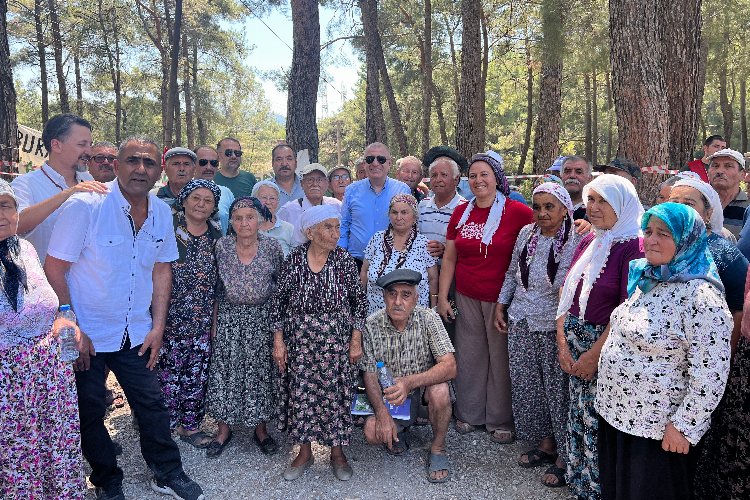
[180, 486]
[111, 492]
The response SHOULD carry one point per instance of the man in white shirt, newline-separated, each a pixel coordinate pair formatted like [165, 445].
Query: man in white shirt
[314, 186]
[109, 258]
[40, 193]
[435, 211]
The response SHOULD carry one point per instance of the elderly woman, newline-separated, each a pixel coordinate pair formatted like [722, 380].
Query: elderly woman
[268, 193]
[664, 365]
[39, 430]
[338, 179]
[399, 246]
[183, 365]
[480, 239]
[596, 284]
[541, 259]
[318, 314]
[241, 383]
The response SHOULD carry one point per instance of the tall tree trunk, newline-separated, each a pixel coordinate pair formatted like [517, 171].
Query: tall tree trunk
[454, 60]
[57, 47]
[427, 76]
[610, 118]
[113, 58]
[638, 86]
[202, 132]
[301, 125]
[483, 83]
[529, 107]
[375, 130]
[42, 54]
[727, 113]
[681, 43]
[173, 99]
[594, 119]
[177, 120]
[743, 114]
[189, 118]
[547, 137]
[587, 116]
[702, 63]
[79, 84]
[8, 120]
[469, 138]
[439, 111]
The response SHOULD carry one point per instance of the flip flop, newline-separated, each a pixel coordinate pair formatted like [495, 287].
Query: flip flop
[536, 458]
[400, 447]
[559, 474]
[196, 438]
[437, 463]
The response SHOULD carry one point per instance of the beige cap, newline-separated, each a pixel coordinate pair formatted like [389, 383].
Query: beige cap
[312, 167]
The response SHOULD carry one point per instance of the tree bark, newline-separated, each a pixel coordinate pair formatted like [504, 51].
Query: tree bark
[79, 84]
[594, 119]
[301, 125]
[727, 113]
[202, 132]
[8, 120]
[439, 111]
[529, 108]
[42, 54]
[610, 118]
[547, 137]
[427, 76]
[469, 138]
[743, 114]
[454, 60]
[186, 88]
[173, 99]
[375, 130]
[588, 147]
[57, 47]
[113, 58]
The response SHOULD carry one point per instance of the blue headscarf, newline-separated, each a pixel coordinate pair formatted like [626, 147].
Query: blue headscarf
[692, 259]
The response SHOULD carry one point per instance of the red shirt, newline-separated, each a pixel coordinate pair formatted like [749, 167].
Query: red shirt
[480, 268]
[699, 168]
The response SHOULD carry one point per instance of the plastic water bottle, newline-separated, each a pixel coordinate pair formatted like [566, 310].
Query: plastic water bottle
[67, 334]
[385, 377]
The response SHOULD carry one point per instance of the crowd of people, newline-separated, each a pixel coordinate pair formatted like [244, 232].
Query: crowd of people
[612, 339]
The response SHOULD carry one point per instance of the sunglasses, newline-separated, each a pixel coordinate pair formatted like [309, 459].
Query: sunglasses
[236, 152]
[340, 177]
[381, 159]
[214, 163]
[103, 158]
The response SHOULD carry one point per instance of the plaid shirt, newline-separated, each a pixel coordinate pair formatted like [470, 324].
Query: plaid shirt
[409, 352]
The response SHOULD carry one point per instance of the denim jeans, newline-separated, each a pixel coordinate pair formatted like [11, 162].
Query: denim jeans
[144, 395]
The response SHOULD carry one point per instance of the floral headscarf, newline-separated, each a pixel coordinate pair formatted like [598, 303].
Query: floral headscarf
[387, 244]
[247, 202]
[194, 184]
[12, 270]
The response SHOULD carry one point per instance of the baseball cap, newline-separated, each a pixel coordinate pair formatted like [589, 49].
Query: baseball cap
[622, 164]
[312, 167]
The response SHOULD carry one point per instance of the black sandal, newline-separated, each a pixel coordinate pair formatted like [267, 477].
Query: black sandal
[215, 448]
[196, 438]
[559, 474]
[268, 446]
[536, 458]
[400, 447]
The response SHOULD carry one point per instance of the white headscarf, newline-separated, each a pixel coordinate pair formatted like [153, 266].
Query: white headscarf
[717, 211]
[317, 214]
[623, 198]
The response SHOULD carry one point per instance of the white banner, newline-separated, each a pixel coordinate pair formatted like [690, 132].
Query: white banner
[30, 148]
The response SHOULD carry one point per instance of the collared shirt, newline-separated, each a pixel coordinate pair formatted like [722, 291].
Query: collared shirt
[735, 212]
[110, 279]
[365, 212]
[433, 220]
[292, 213]
[409, 352]
[283, 232]
[240, 185]
[165, 194]
[33, 188]
[295, 194]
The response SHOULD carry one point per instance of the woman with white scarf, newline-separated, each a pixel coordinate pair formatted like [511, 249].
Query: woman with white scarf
[595, 286]
[480, 239]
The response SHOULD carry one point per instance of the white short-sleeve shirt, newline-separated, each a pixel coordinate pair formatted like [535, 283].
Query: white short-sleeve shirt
[110, 279]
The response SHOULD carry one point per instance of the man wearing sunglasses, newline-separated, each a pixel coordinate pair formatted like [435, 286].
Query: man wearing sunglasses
[365, 208]
[102, 161]
[179, 165]
[208, 166]
[284, 163]
[240, 182]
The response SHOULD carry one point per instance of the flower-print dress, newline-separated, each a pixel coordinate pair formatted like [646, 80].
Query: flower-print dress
[317, 312]
[40, 440]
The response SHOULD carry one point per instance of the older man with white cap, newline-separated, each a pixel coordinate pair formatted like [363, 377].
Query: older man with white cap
[179, 165]
[725, 172]
[314, 184]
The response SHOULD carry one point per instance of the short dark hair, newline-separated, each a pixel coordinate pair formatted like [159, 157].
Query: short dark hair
[58, 127]
[140, 139]
[218, 144]
[712, 138]
[103, 144]
[205, 146]
[282, 145]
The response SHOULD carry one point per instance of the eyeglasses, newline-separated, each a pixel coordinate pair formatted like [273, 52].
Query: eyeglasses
[340, 177]
[214, 163]
[103, 158]
[381, 159]
[237, 152]
[314, 180]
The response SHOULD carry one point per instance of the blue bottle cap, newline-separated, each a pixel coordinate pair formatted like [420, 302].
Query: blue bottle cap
[380, 364]
[65, 307]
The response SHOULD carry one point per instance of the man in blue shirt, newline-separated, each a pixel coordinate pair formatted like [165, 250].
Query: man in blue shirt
[365, 208]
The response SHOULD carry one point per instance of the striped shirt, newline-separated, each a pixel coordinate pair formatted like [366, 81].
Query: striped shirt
[433, 221]
[734, 213]
[409, 352]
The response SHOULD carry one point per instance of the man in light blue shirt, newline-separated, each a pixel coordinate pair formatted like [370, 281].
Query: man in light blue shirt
[284, 174]
[365, 208]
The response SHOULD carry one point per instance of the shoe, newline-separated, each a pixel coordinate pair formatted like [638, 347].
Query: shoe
[343, 472]
[291, 473]
[268, 446]
[215, 448]
[180, 486]
[111, 492]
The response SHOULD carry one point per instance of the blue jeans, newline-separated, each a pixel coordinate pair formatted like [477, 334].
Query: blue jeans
[144, 395]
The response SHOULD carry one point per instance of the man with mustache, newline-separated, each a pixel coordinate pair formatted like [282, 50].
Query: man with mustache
[41, 192]
[284, 167]
[102, 161]
[575, 172]
[179, 165]
[208, 165]
[726, 170]
[412, 343]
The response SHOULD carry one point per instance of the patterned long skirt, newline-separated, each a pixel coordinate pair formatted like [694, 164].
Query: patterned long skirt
[316, 391]
[583, 421]
[241, 382]
[724, 466]
[40, 439]
[538, 384]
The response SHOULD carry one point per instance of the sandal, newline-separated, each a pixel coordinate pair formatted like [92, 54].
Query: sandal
[215, 448]
[537, 457]
[268, 446]
[197, 439]
[422, 421]
[559, 474]
[359, 421]
[437, 463]
[399, 447]
[114, 400]
[463, 427]
[502, 436]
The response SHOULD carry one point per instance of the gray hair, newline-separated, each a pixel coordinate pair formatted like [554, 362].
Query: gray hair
[140, 139]
[377, 145]
[104, 144]
[671, 181]
[454, 166]
[577, 159]
[400, 161]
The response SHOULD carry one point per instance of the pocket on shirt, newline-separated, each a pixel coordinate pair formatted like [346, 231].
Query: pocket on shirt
[110, 247]
[149, 251]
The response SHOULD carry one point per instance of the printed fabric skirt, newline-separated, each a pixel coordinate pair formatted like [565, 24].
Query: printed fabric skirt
[241, 378]
[40, 439]
[724, 465]
[583, 421]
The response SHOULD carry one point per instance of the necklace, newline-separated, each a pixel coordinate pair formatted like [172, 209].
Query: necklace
[51, 179]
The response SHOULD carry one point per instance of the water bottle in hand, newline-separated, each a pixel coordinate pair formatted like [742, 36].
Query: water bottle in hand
[67, 334]
[385, 377]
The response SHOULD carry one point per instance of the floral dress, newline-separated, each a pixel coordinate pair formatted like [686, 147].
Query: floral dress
[39, 431]
[317, 312]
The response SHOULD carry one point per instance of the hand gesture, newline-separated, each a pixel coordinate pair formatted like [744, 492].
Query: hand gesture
[397, 393]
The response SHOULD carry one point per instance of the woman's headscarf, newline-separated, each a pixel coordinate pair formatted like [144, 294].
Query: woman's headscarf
[495, 161]
[315, 215]
[265, 183]
[387, 246]
[194, 184]
[561, 237]
[247, 202]
[12, 270]
[623, 198]
[717, 211]
[692, 259]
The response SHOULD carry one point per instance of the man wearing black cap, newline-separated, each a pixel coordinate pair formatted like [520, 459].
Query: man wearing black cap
[622, 167]
[413, 344]
[179, 165]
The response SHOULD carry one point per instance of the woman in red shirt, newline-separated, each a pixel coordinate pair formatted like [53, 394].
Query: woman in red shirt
[480, 239]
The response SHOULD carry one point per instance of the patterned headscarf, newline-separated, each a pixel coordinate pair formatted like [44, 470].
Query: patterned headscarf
[692, 259]
[387, 245]
[12, 270]
[247, 202]
[495, 161]
[194, 184]
[561, 237]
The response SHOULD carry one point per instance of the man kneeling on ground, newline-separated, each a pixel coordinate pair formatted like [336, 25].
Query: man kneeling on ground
[412, 342]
